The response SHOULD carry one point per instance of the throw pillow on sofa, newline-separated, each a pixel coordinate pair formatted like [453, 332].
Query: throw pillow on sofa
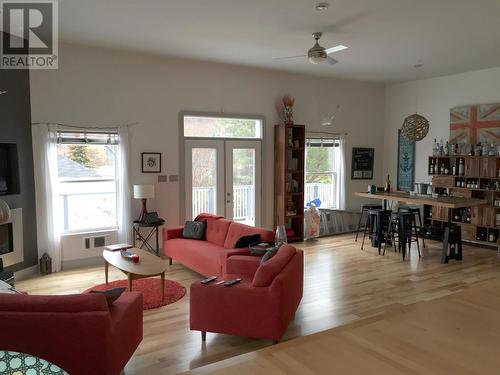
[267, 271]
[111, 294]
[194, 230]
[246, 241]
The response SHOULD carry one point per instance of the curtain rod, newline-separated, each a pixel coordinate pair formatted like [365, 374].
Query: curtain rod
[85, 126]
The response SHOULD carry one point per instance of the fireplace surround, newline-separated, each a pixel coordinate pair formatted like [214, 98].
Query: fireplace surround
[6, 238]
[11, 238]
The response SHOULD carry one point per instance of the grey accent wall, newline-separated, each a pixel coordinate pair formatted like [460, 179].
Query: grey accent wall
[15, 127]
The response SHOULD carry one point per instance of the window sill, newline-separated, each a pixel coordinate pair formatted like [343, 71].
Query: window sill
[89, 232]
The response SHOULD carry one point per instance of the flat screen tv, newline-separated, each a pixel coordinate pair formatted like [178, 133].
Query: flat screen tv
[9, 169]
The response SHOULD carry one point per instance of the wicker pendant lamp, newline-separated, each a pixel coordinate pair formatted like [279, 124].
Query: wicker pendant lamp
[415, 127]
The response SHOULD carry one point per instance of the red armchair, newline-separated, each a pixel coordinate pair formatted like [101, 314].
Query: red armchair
[261, 306]
[79, 333]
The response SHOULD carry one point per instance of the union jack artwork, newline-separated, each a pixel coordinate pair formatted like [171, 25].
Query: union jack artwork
[475, 123]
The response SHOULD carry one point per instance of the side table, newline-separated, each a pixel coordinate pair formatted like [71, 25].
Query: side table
[154, 229]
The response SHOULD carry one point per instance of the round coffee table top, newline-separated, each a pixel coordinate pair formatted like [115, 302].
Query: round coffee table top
[148, 265]
[21, 363]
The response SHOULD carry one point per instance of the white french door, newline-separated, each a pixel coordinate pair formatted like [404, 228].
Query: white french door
[223, 177]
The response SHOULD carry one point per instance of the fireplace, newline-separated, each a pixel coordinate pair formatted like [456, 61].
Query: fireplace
[6, 238]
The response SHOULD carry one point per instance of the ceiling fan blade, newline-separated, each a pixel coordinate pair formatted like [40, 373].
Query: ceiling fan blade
[288, 57]
[331, 60]
[337, 48]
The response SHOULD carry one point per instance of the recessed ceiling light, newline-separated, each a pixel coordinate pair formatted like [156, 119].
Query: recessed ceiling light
[322, 6]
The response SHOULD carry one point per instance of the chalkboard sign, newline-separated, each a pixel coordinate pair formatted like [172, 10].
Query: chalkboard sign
[362, 163]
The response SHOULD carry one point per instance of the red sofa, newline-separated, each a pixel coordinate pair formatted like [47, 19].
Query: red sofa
[209, 257]
[261, 306]
[79, 333]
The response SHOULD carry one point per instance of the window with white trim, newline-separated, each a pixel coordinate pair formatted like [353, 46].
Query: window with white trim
[321, 181]
[87, 180]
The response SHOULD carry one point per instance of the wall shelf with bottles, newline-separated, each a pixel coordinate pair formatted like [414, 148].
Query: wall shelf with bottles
[469, 176]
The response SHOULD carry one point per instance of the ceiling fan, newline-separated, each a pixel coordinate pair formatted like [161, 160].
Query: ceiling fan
[318, 54]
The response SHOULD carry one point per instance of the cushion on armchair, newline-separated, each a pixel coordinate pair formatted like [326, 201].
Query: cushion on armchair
[267, 271]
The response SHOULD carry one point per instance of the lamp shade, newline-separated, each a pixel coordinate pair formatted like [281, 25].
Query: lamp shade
[144, 191]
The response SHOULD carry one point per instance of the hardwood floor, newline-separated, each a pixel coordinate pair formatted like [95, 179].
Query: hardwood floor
[456, 334]
[342, 284]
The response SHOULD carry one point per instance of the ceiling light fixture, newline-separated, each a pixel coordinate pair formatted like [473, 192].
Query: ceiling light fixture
[321, 6]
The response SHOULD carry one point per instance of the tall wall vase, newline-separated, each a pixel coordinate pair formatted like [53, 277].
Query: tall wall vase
[280, 236]
[288, 115]
[284, 108]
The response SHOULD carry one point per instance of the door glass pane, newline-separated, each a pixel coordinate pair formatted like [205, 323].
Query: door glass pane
[217, 127]
[204, 181]
[244, 185]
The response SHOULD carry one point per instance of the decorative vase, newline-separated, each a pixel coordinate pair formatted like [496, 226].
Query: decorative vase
[4, 212]
[280, 236]
[288, 114]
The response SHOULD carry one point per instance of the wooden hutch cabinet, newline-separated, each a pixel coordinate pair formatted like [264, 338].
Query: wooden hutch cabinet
[289, 164]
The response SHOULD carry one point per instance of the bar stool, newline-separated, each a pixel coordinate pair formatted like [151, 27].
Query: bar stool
[365, 208]
[378, 225]
[415, 214]
[401, 224]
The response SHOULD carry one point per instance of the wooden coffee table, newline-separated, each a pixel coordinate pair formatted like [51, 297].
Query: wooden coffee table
[149, 265]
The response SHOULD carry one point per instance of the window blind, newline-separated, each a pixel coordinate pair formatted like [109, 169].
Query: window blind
[91, 138]
[322, 142]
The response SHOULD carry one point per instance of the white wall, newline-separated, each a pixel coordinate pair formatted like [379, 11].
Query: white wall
[433, 99]
[106, 87]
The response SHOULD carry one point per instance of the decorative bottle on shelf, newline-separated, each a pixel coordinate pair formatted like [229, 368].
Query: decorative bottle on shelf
[431, 167]
[461, 167]
[435, 148]
[441, 147]
[479, 149]
[388, 185]
[447, 149]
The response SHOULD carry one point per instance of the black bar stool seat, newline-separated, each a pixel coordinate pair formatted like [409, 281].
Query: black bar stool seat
[365, 208]
[377, 224]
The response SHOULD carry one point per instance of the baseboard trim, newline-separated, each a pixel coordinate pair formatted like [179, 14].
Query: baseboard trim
[26, 273]
[84, 262]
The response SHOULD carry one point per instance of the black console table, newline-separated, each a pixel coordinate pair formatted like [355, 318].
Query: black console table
[154, 229]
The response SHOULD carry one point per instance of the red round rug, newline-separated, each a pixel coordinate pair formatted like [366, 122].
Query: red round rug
[150, 289]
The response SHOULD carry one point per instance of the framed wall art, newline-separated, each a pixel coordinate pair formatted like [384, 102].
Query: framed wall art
[151, 162]
[362, 163]
[406, 163]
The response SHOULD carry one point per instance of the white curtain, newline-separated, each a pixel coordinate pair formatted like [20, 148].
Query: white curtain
[340, 168]
[49, 223]
[122, 187]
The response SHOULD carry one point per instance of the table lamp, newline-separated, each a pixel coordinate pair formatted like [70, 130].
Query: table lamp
[143, 192]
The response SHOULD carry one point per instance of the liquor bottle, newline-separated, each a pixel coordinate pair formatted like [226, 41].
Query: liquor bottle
[434, 148]
[388, 185]
[456, 149]
[447, 149]
[441, 147]
[461, 167]
[431, 167]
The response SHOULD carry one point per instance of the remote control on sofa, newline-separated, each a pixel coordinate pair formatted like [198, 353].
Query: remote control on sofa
[208, 279]
[232, 282]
